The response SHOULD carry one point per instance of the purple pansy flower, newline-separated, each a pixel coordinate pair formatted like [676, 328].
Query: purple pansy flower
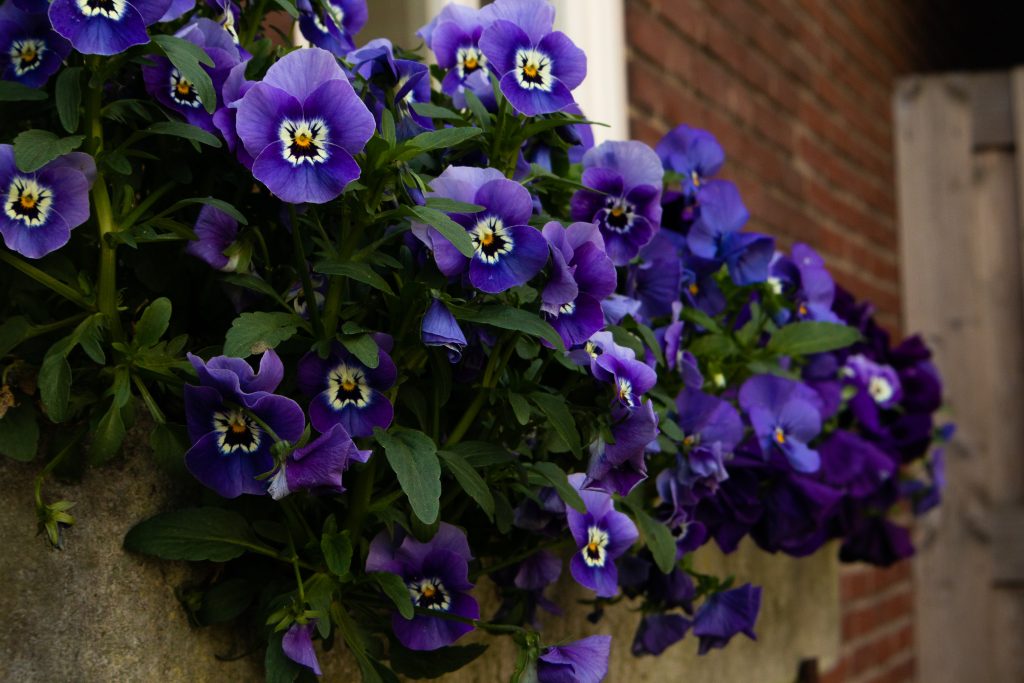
[317, 466]
[42, 207]
[331, 24]
[436, 574]
[715, 235]
[105, 27]
[165, 83]
[618, 365]
[346, 392]
[657, 632]
[30, 51]
[440, 328]
[813, 288]
[401, 81]
[177, 9]
[507, 252]
[582, 661]
[537, 68]
[454, 36]
[618, 467]
[582, 276]
[657, 279]
[878, 388]
[230, 448]
[217, 232]
[626, 178]
[725, 614]
[297, 644]
[692, 153]
[602, 534]
[301, 124]
[785, 414]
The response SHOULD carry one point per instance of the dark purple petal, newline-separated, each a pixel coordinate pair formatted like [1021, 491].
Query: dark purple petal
[430, 633]
[538, 571]
[228, 475]
[260, 112]
[216, 231]
[570, 62]
[725, 614]
[582, 661]
[297, 644]
[99, 35]
[506, 199]
[657, 632]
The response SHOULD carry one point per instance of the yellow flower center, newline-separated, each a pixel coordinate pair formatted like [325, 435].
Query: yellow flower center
[238, 426]
[183, 87]
[471, 62]
[618, 211]
[303, 140]
[28, 201]
[487, 239]
[530, 70]
[348, 385]
[694, 289]
[780, 436]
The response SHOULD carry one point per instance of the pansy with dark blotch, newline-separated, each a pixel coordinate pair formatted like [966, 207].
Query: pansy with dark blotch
[454, 37]
[537, 68]
[715, 234]
[230, 448]
[619, 366]
[625, 199]
[602, 534]
[302, 124]
[332, 24]
[619, 466]
[693, 153]
[582, 661]
[724, 614]
[401, 81]
[346, 392]
[318, 466]
[785, 415]
[165, 83]
[677, 510]
[216, 232]
[582, 275]
[297, 645]
[436, 575]
[803, 277]
[440, 328]
[30, 51]
[105, 27]
[42, 207]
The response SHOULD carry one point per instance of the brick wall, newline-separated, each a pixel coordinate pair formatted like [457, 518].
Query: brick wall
[798, 93]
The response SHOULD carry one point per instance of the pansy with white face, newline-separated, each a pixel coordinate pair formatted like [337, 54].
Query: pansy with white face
[109, 9]
[430, 593]
[236, 432]
[491, 239]
[348, 386]
[305, 142]
[28, 202]
[533, 70]
[183, 91]
[26, 55]
[595, 552]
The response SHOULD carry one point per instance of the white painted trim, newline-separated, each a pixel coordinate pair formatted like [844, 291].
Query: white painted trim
[598, 27]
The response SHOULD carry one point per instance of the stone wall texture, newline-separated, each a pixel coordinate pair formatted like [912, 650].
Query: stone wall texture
[799, 94]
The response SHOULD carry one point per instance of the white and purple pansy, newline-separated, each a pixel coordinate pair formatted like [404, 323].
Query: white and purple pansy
[105, 27]
[537, 68]
[302, 124]
[332, 24]
[625, 199]
[602, 534]
[454, 36]
[42, 207]
[347, 392]
[318, 466]
[30, 51]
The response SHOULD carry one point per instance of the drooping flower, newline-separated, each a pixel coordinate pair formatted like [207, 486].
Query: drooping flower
[582, 661]
[227, 415]
[436, 575]
[803, 276]
[347, 392]
[657, 632]
[217, 232]
[302, 124]
[582, 275]
[332, 24]
[724, 614]
[785, 415]
[618, 467]
[657, 279]
[625, 200]
[537, 68]
[602, 535]
[715, 234]
[318, 466]
[440, 328]
[401, 82]
[297, 644]
[619, 366]
[105, 27]
[454, 36]
[165, 83]
[30, 51]
[42, 207]
[693, 153]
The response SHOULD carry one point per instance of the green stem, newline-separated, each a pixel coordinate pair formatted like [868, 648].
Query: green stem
[332, 305]
[56, 461]
[467, 418]
[492, 374]
[307, 282]
[45, 279]
[256, 19]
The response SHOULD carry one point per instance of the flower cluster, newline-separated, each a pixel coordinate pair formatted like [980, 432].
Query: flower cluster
[486, 345]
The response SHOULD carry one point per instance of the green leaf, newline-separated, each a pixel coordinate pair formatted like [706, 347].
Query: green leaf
[117, 162]
[435, 112]
[647, 334]
[11, 91]
[226, 600]
[289, 7]
[19, 433]
[108, 436]
[361, 272]
[452, 205]
[807, 337]
[12, 332]
[713, 346]
[452, 231]
[387, 128]
[207, 201]
[556, 410]
[89, 335]
[480, 112]
[419, 665]
[470, 481]
[55, 385]
[337, 550]
[520, 407]
[508, 318]
[363, 347]
[656, 537]
[33, 149]
[168, 444]
[179, 129]
[560, 480]
[253, 333]
[413, 457]
[699, 317]
[194, 534]
[68, 97]
[445, 138]
[153, 322]
[394, 587]
[481, 454]
[187, 57]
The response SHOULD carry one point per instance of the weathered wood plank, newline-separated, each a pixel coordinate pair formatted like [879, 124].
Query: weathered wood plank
[1008, 546]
